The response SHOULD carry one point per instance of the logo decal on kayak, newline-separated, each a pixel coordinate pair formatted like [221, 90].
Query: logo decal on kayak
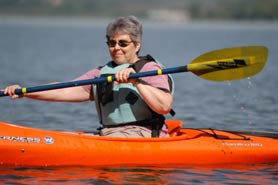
[49, 140]
[21, 139]
[243, 144]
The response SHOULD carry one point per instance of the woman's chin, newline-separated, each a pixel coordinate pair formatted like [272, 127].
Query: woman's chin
[119, 61]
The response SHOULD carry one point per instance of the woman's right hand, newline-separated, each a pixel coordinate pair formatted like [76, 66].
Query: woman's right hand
[10, 90]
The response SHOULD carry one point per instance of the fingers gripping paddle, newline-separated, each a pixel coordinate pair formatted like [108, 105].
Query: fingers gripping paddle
[219, 65]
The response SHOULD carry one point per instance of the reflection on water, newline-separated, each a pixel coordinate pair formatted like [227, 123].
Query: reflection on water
[245, 174]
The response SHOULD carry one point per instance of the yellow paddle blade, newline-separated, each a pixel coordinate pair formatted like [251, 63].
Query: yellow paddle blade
[230, 63]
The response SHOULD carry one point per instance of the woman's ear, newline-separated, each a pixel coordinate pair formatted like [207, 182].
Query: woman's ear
[138, 46]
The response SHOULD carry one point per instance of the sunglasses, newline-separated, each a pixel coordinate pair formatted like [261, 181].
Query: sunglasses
[121, 43]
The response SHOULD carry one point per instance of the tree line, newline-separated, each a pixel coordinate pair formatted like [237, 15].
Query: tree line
[194, 9]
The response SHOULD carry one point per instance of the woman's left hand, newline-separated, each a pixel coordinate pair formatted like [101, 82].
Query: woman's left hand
[123, 75]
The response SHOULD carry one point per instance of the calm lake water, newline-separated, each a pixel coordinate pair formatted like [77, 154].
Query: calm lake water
[38, 51]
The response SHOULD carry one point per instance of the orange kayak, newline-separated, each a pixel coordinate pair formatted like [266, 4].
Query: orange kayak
[24, 146]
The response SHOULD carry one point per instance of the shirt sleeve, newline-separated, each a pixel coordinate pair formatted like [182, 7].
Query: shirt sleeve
[89, 75]
[158, 81]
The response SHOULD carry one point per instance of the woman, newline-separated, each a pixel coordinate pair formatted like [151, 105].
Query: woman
[127, 107]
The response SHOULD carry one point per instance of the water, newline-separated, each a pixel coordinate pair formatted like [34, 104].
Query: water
[140, 175]
[38, 51]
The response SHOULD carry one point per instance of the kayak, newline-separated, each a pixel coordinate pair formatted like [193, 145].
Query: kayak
[25, 146]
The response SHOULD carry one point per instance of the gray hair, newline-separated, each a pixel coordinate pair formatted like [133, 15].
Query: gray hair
[125, 25]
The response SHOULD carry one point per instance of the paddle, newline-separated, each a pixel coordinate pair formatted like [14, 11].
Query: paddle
[219, 65]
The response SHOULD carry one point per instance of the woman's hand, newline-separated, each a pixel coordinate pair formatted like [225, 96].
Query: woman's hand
[123, 75]
[10, 90]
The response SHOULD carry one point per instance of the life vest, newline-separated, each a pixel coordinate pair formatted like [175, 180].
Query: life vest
[120, 104]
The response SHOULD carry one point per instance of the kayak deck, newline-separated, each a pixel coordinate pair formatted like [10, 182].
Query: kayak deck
[24, 146]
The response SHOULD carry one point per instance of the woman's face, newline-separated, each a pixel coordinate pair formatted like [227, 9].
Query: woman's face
[122, 49]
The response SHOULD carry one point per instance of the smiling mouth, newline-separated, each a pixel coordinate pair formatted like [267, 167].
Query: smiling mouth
[118, 54]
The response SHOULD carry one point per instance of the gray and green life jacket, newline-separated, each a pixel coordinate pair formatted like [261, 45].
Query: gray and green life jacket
[122, 104]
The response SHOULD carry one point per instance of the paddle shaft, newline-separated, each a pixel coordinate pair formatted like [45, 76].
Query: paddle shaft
[109, 78]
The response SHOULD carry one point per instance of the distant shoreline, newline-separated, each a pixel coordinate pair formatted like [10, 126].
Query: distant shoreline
[101, 21]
